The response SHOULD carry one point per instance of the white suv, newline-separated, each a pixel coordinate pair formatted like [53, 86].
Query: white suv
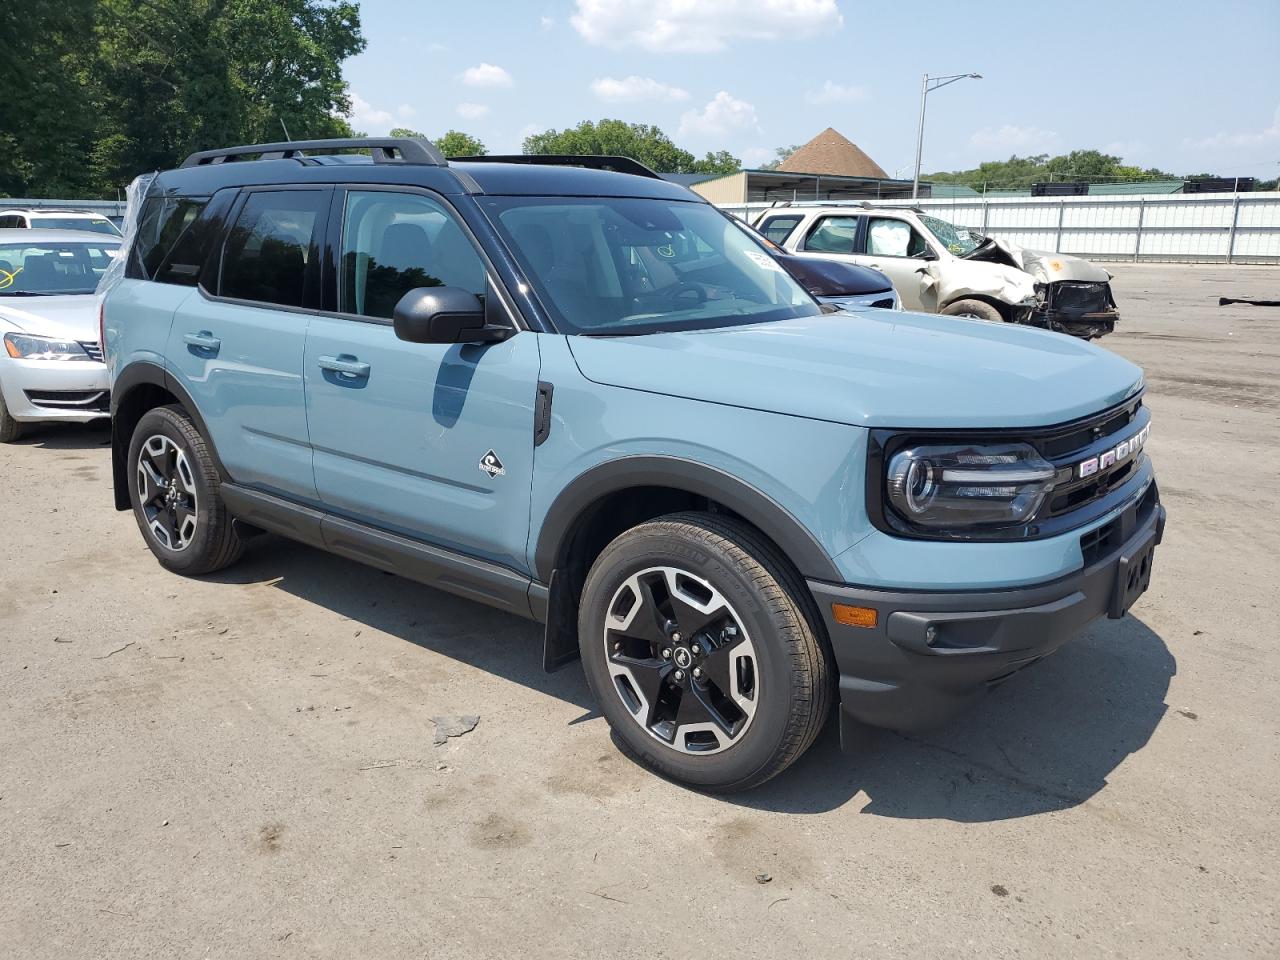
[57, 219]
[938, 267]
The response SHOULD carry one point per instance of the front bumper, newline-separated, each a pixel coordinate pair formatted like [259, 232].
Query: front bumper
[879, 300]
[76, 391]
[930, 653]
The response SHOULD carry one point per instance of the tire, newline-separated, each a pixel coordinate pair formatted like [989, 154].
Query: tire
[186, 509]
[769, 681]
[10, 429]
[976, 309]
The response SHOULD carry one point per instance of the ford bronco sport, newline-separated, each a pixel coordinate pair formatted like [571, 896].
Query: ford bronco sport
[582, 395]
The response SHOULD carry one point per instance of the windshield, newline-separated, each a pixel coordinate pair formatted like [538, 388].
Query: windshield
[958, 240]
[49, 269]
[610, 266]
[91, 224]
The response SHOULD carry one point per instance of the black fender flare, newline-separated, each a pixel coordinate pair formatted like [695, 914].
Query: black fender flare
[137, 374]
[756, 507]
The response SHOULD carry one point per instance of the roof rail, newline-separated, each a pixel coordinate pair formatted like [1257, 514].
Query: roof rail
[615, 164]
[384, 150]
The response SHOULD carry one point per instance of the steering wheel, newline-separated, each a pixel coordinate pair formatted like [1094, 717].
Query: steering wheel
[681, 289]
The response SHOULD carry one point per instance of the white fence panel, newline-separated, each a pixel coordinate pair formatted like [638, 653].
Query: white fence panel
[1231, 227]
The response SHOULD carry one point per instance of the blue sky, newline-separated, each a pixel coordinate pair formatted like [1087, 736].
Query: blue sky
[1186, 87]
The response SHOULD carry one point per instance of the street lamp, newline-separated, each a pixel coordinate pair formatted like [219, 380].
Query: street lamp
[928, 85]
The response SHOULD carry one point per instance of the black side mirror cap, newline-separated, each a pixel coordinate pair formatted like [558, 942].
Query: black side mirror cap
[444, 315]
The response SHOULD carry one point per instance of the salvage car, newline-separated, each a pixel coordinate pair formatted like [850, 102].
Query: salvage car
[938, 267]
[51, 365]
[582, 395]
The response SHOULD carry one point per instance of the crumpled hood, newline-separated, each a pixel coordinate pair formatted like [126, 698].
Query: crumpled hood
[876, 369]
[71, 317]
[1049, 267]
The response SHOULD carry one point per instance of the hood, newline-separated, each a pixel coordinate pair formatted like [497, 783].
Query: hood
[875, 369]
[1044, 266]
[833, 278]
[70, 317]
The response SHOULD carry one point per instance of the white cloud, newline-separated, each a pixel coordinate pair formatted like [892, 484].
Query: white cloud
[1254, 139]
[1013, 137]
[836, 93]
[686, 26]
[547, 22]
[486, 75]
[723, 114]
[472, 111]
[364, 116]
[631, 89]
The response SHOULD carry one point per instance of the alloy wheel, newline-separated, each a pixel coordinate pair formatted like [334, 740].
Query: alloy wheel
[167, 492]
[681, 661]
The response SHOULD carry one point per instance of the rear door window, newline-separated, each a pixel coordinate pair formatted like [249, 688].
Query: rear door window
[835, 234]
[270, 246]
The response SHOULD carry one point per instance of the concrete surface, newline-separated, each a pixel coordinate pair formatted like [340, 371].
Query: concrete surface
[243, 766]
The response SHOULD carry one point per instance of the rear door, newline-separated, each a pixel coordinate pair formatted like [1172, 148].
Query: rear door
[433, 441]
[236, 345]
[837, 236]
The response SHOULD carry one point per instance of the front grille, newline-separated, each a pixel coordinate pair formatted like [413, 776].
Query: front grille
[1080, 297]
[92, 348]
[1100, 543]
[97, 401]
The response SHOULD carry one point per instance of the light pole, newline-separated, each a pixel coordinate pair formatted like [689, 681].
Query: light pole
[927, 85]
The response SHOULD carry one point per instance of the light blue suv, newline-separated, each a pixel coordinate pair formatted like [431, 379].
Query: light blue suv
[581, 394]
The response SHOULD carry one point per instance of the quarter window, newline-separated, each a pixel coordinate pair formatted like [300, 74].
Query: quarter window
[778, 229]
[396, 242]
[833, 235]
[163, 223]
[268, 249]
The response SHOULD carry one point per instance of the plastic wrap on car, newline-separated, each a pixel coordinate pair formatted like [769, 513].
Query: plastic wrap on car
[134, 195]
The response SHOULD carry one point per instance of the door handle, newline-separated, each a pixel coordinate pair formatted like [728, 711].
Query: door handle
[345, 365]
[204, 340]
[874, 266]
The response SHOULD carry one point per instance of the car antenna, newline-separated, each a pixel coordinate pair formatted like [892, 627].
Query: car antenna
[285, 129]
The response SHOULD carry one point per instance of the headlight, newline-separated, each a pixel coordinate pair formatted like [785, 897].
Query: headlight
[22, 346]
[954, 486]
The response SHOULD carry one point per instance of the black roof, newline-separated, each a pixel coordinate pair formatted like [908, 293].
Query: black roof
[206, 173]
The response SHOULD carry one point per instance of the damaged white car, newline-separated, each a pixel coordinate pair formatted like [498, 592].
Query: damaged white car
[938, 267]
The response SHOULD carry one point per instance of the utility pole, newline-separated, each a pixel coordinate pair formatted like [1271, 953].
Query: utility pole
[928, 85]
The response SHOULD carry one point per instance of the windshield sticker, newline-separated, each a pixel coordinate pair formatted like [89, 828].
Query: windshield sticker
[763, 261]
[7, 278]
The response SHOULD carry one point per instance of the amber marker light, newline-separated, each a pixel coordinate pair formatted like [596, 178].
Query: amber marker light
[852, 616]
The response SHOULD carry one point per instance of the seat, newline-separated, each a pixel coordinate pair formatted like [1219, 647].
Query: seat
[400, 265]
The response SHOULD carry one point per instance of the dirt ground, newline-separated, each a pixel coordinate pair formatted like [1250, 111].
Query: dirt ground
[243, 766]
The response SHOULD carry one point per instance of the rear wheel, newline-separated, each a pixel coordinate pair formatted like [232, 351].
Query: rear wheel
[10, 429]
[974, 309]
[173, 487]
[699, 646]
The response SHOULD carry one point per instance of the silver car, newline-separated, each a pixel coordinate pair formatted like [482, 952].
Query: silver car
[51, 362]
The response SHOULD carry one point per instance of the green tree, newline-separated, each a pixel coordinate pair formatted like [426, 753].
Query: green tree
[1091, 166]
[119, 87]
[780, 154]
[455, 143]
[406, 132]
[639, 141]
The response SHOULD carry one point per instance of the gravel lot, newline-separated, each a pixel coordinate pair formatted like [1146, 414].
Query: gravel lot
[243, 766]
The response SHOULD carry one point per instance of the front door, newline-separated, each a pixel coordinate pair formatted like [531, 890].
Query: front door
[434, 441]
[898, 250]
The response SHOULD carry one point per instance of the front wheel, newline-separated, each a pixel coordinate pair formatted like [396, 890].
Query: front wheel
[10, 429]
[702, 653]
[974, 310]
[174, 490]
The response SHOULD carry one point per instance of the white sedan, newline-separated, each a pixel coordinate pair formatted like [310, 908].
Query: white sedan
[51, 362]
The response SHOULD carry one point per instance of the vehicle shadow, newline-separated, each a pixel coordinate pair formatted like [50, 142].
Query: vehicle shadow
[1045, 740]
[67, 436]
[464, 630]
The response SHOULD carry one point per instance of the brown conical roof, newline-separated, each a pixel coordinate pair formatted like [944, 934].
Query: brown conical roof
[832, 153]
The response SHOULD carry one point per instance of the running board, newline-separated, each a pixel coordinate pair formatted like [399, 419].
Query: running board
[437, 567]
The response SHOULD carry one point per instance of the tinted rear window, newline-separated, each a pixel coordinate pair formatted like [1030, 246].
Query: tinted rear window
[163, 222]
[267, 251]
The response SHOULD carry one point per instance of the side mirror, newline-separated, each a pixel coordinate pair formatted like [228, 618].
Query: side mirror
[927, 254]
[444, 315]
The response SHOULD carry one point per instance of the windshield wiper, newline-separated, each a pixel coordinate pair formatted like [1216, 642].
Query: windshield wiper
[25, 293]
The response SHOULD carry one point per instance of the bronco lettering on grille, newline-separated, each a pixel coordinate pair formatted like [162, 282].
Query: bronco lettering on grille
[1109, 458]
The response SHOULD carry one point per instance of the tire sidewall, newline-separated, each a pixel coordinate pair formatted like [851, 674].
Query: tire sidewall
[759, 744]
[165, 421]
